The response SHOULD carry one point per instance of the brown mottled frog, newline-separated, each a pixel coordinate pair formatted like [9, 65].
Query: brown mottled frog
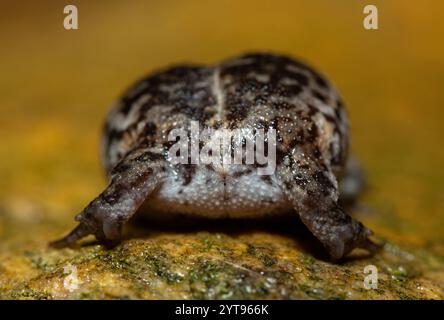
[258, 90]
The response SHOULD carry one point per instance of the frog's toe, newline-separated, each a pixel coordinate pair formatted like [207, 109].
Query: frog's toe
[81, 231]
[109, 232]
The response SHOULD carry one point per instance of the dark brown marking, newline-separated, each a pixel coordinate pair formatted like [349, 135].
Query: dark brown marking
[319, 95]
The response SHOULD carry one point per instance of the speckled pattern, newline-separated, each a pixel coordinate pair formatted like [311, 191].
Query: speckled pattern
[253, 91]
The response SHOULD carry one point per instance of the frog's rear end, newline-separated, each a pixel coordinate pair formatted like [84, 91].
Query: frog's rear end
[246, 94]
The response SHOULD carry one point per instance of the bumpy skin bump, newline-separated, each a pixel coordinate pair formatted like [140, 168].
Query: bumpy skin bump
[252, 91]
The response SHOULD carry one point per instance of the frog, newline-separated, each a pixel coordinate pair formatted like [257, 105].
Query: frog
[259, 90]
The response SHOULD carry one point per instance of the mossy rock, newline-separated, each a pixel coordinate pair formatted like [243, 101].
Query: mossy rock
[196, 264]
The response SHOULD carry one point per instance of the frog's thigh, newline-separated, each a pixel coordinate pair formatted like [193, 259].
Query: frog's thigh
[132, 180]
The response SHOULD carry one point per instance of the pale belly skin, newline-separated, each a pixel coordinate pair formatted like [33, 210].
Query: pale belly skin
[213, 195]
[252, 91]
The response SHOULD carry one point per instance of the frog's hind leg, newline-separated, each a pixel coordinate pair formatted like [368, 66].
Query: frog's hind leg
[132, 180]
[352, 184]
[313, 191]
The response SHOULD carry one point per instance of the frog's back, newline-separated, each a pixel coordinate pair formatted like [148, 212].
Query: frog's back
[251, 91]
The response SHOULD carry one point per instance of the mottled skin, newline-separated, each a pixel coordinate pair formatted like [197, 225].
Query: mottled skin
[251, 91]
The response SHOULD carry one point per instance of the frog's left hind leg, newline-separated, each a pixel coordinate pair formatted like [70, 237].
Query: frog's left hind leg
[132, 180]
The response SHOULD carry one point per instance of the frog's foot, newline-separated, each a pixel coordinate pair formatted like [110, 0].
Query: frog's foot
[338, 232]
[104, 224]
[132, 180]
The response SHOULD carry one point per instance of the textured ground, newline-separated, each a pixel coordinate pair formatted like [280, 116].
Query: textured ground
[195, 264]
[55, 87]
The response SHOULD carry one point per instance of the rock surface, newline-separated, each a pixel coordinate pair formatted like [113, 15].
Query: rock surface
[244, 263]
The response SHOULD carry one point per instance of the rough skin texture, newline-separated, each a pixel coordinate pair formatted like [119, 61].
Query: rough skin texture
[251, 91]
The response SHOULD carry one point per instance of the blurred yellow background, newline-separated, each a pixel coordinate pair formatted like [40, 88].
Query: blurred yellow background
[56, 87]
